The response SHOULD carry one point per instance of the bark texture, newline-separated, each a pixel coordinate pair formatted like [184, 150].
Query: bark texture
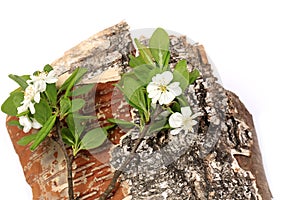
[221, 160]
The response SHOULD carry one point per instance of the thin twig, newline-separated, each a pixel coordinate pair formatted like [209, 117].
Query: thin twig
[69, 161]
[111, 186]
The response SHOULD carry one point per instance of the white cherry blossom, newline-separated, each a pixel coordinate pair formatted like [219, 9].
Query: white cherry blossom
[36, 85]
[40, 81]
[31, 96]
[24, 107]
[162, 90]
[28, 124]
[32, 93]
[183, 121]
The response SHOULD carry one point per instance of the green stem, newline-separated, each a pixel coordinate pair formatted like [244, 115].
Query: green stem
[111, 186]
[69, 161]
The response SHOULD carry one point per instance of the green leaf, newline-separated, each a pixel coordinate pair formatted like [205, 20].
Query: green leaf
[176, 107]
[26, 139]
[11, 104]
[13, 123]
[106, 128]
[136, 61]
[21, 80]
[148, 103]
[51, 93]
[77, 104]
[72, 80]
[84, 117]
[19, 89]
[181, 74]
[154, 72]
[65, 106]
[144, 52]
[67, 136]
[182, 101]
[159, 46]
[42, 111]
[193, 76]
[166, 63]
[48, 68]
[44, 131]
[71, 123]
[143, 72]
[75, 125]
[157, 126]
[122, 123]
[82, 89]
[93, 138]
[138, 100]
[130, 85]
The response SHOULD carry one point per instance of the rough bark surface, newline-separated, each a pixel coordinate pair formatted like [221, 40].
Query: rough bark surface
[221, 160]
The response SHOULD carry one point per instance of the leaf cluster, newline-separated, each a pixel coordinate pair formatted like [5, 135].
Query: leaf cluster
[58, 109]
[150, 61]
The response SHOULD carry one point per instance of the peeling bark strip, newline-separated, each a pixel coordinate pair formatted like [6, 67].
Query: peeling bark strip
[220, 161]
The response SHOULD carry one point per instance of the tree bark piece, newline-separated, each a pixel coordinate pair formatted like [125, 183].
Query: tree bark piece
[221, 160]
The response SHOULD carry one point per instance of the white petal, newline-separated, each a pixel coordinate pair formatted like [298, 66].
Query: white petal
[155, 94]
[31, 108]
[37, 97]
[196, 115]
[26, 123]
[190, 121]
[157, 79]
[23, 120]
[174, 88]
[29, 81]
[186, 111]
[33, 78]
[193, 122]
[151, 86]
[22, 108]
[51, 77]
[51, 80]
[155, 98]
[175, 131]
[40, 86]
[36, 124]
[153, 89]
[175, 120]
[166, 98]
[26, 129]
[167, 77]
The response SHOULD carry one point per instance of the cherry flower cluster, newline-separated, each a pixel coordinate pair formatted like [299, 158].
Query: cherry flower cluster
[32, 94]
[153, 83]
[163, 90]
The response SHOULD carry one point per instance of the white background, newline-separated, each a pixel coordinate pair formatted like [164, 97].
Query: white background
[254, 45]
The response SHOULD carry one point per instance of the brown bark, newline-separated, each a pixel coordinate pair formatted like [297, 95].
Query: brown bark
[45, 168]
[221, 160]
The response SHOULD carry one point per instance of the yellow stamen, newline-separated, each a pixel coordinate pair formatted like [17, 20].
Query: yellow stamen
[163, 88]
